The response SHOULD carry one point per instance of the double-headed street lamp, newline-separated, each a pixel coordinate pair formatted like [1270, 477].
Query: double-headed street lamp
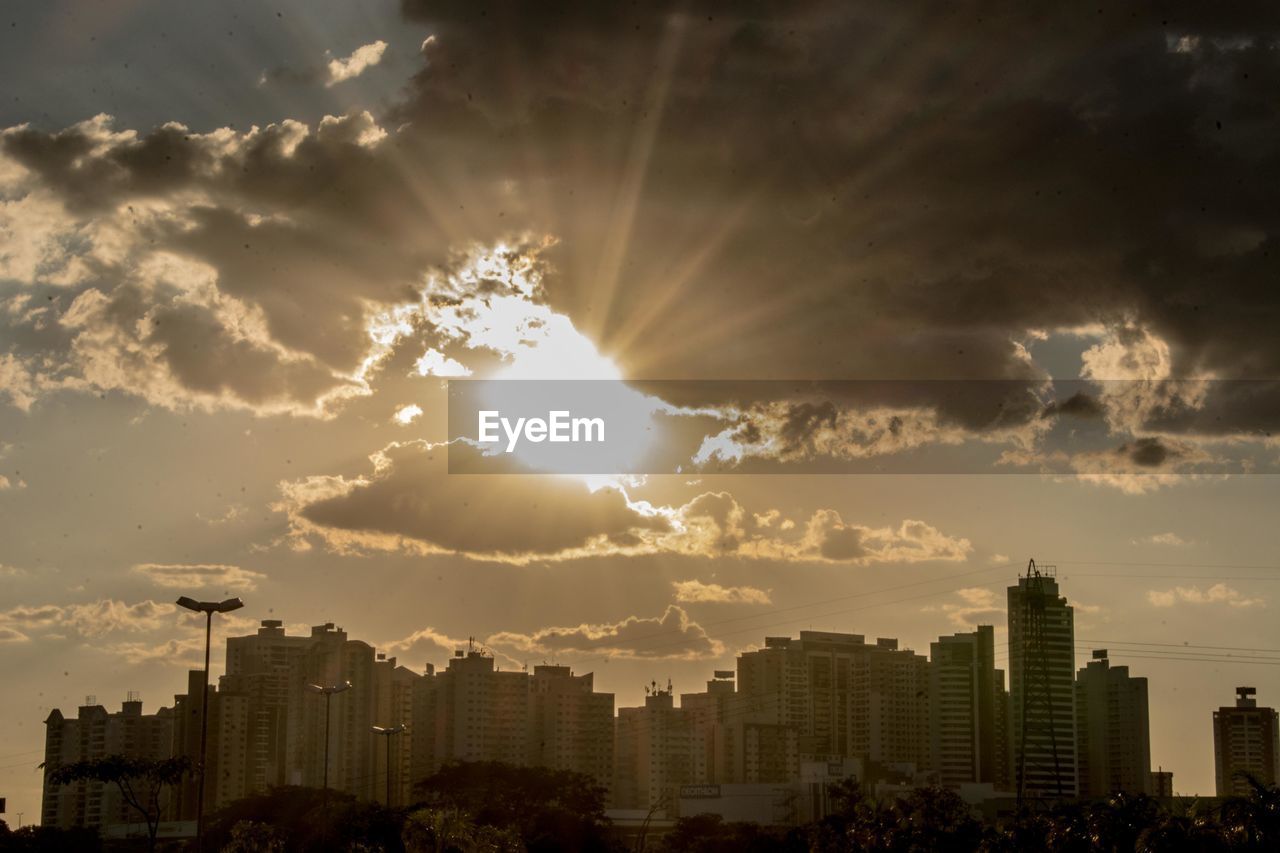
[208, 608]
[327, 692]
[387, 733]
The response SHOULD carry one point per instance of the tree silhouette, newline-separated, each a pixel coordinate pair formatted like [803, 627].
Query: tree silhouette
[1253, 822]
[548, 809]
[140, 781]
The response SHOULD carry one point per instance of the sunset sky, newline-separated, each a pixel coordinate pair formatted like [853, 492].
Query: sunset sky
[245, 245]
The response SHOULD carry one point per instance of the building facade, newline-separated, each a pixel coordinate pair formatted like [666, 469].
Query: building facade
[1041, 687]
[97, 733]
[655, 753]
[842, 696]
[1244, 741]
[970, 726]
[1113, 730]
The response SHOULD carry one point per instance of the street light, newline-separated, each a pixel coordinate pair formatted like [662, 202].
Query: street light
[208, 608]
[387, 733]
[327, 693]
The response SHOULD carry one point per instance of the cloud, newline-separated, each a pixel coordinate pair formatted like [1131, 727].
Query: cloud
[361, 59]
[1168, 539]
[697, 592]
[1219, 593]
[186, 653]
[9, 634]
[1141, 465]
[406, 415]
[426, 644]
[200, 576]
[205, 270]
[91, 620]
[671, 635]
[962, 242]
[408, 503]
[178, 270]
[977, 606]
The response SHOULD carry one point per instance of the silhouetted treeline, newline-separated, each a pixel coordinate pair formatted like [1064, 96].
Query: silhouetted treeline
[489, 807]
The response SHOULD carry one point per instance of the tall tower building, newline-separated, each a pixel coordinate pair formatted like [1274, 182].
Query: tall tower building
[970, 727]
[1245, 741]
[1042, 694]
[1113, 730]
[96, 733]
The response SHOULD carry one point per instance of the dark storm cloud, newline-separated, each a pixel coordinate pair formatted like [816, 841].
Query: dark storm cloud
[306, 229]
[1079, 405]
[887, 189]
[410, 500]
[755, 190]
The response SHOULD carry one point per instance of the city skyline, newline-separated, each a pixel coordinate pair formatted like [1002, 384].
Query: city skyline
[905, 297]
[749, 726]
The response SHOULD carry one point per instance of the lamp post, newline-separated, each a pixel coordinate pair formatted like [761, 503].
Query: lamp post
[327, 692]
[387, 733]
[208, 608]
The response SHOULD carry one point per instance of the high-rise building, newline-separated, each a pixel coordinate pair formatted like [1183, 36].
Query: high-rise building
[393, 706]
[970, 711]
[1245, 741]
[1112, 729]
[1162, 783]
[734, 740]
[571, 726]
[96, 733]
[654, 753]
[712, 723]
[481, 712]
[1042, 691]
[474, 711]
[264, 667]
[227, 752]
[843, 696]
[331, 660]
[423, 719]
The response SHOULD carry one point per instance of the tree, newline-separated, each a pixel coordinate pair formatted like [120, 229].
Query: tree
[1253, 822]
[299, 821]
[934, 819]
[1117, 822]
[253, 836]
[48, 839]
[451, 831]
[708, 833]
[548, 809]
[140, 781]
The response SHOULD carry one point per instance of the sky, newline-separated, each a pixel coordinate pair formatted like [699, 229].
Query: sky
[245, 246]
